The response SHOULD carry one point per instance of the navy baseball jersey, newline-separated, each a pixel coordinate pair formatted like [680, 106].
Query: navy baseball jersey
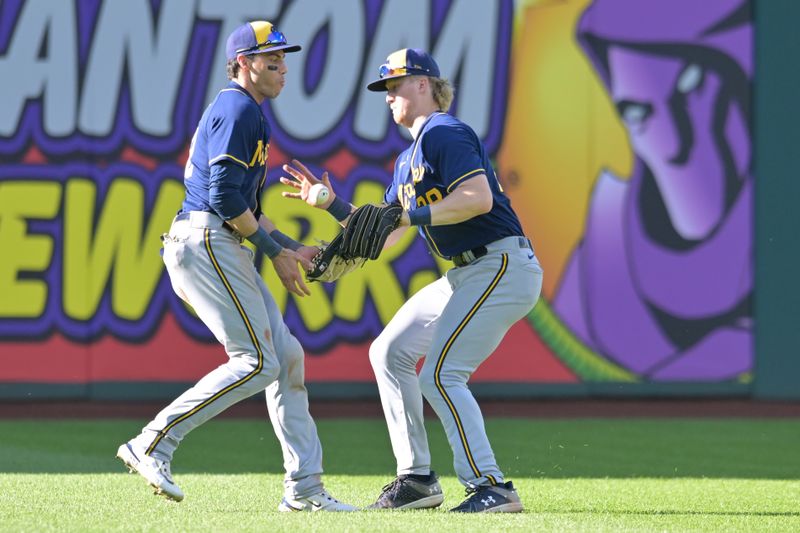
[232, 128]
[445, 154]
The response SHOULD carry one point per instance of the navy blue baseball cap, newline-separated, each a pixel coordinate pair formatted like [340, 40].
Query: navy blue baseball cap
[405, 62]
[257, 37]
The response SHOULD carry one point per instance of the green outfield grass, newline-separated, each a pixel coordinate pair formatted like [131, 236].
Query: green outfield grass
[573, 475]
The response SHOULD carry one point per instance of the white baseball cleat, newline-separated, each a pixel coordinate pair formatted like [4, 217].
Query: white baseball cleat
[156, 472]
[321, 501]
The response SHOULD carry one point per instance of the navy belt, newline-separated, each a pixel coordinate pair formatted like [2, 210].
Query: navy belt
[467, 257]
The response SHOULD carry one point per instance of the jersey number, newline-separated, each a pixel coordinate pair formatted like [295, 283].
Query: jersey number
[430, 198]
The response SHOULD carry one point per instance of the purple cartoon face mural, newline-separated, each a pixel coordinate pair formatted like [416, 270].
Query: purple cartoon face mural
[662, 280]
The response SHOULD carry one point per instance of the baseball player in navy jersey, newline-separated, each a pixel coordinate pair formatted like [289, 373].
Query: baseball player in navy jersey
[211, 270]
[451, 195]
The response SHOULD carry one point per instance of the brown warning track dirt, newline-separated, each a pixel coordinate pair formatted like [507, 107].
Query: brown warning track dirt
[603, 408]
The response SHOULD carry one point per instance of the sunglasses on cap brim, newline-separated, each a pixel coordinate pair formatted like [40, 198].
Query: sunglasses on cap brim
[385, 71]
[275, 38]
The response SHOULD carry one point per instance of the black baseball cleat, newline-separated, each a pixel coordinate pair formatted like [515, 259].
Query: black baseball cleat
[408, 493]
[491, 499]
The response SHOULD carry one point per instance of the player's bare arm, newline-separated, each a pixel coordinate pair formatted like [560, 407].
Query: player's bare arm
[470, 199]
[395, 236]
[244, 224]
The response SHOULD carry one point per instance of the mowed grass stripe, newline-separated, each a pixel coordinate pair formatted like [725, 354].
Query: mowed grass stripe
[572, 475]
[528, 448]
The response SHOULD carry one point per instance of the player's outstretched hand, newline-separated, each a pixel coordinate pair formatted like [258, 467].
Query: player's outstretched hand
[285, 264]
[301, 179]
[309, 252]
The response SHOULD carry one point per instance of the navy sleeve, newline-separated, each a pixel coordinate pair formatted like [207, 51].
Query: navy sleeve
[231, 136]
[391, 193]
[454, 153]
[224, 186]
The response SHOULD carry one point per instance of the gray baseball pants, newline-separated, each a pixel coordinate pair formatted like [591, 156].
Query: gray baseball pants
[455, 323]
[210, 270]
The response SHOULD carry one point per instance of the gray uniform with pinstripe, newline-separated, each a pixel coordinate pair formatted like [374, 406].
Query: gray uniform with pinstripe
[456, 322]
[211, 270]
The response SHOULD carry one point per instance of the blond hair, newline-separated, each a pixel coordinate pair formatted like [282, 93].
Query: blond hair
[442, 92]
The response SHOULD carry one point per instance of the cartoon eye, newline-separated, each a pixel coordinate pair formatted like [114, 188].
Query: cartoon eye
[690, 79]
[634, 113]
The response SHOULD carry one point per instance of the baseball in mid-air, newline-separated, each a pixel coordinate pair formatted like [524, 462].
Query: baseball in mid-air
[318, 194]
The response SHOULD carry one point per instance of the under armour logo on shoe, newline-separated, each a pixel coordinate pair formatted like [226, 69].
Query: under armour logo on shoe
[488, 500]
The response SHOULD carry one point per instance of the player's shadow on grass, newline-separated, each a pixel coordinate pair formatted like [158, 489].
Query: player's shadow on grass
[543, 449]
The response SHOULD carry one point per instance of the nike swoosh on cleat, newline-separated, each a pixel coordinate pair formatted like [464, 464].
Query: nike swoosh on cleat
[290, 506]
[530, 256]
[130, 449]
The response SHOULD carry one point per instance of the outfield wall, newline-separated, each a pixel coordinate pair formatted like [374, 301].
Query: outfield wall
[623, 136]
[777, 130]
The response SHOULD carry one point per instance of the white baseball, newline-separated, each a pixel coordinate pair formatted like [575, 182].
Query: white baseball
[318, 194]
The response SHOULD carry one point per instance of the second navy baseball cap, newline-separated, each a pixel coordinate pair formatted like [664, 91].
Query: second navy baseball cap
[257, 37]
[405, 62]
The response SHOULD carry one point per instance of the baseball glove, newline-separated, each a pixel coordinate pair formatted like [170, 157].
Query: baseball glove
[368, 229]
[329, 264]
[363, 238]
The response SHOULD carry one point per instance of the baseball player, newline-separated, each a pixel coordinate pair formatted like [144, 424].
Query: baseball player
[211, 270]
[451, 195]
